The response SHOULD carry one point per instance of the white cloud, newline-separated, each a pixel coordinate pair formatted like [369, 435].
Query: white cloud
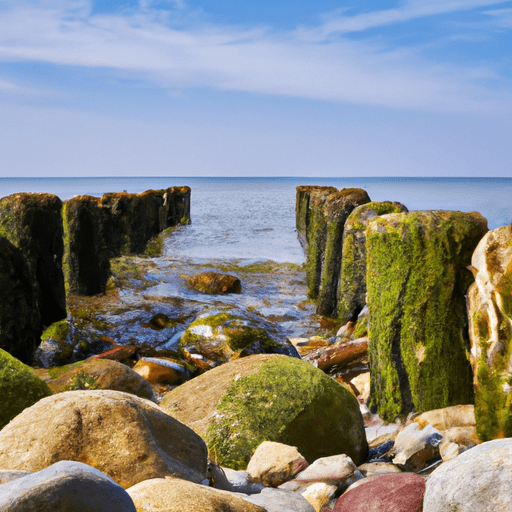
[412, 9]
[144, 42]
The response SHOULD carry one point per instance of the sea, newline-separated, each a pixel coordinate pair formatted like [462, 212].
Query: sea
[253, 219]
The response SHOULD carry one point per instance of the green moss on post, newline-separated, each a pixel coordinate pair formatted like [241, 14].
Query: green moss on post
[352, 285]
[337, 208]
[416, 281]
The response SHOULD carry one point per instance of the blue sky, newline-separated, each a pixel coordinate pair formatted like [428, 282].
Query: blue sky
[233, 88]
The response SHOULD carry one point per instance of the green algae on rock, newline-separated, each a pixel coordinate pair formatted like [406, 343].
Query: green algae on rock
[218, 335]
[416, 278]
[352, 286]
[260, 398]
[490, 331]
[19, 387]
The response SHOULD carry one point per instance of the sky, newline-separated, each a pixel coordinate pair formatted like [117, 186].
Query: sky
[318, 88]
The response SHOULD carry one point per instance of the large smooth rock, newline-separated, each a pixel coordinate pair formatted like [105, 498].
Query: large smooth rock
[240, 404]
[352, 286]
[128, 438]
[65, 487]
[97, 374]
[398, 492]
[490, 331]
[20, 324]
[274, 463]
[19, 388]
[478, 479]
[175, 495]
[33, 223]
[227, 332]
[417, 277]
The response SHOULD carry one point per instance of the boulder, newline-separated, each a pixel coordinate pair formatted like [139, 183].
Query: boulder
[278, 500]
[214, 283]
[240, 482]
[335, 470]
[352, 286]
[399, 492]
[416, 447]
[86, 255]
[20, 323]
[128, 438]
[319, 495]
[238, 405]
[227, 332]
[275, 463]
[490, 331]
[8, 476]
[65, 487]
[19, 388]
[161, 370]
[97, 374]
[33, 223]
[417, 276]
[175, 495]
[478, 479]
[448, 417]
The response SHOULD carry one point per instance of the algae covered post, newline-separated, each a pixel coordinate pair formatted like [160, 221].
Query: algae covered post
[417, 277]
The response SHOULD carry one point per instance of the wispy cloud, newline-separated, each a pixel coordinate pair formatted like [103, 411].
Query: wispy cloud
[152, 44]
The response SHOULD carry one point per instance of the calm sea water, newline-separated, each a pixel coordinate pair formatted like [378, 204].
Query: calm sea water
[254, 218]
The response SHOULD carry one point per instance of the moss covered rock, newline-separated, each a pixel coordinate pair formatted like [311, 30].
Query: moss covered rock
[96, 374]
[33, 223]
[86, 256]
[56, 347]
[19, 387]
[19, 313]
[218, 335]
[490, 321]
[417, 278]
[237, 406]
[352, 286]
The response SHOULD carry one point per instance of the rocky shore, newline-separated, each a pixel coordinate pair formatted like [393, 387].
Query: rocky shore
[132, 382]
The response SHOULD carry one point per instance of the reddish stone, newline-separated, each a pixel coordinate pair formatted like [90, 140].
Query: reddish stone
[398, 492]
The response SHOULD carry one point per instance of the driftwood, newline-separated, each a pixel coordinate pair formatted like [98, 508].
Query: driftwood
[338, 355]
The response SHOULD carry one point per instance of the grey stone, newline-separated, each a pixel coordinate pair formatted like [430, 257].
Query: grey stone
[479, 479]
[66, 486]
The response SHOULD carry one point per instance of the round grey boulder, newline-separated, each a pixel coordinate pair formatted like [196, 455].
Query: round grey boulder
[478, 479]
[66, 486]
